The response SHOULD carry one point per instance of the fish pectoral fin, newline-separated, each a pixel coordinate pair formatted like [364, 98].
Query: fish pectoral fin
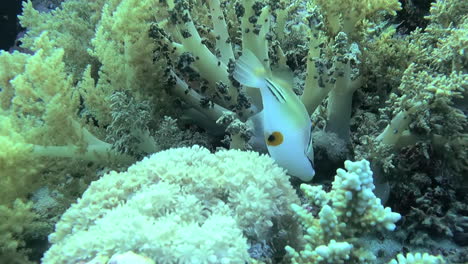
[258, 140]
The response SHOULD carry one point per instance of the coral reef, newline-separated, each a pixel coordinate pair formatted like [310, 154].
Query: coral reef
[98, 85]
[422, 150]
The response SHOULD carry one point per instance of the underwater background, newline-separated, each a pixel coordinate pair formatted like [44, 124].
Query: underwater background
[126, 138]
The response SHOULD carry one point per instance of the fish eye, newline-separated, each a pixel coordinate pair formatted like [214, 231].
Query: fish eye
[275, 139]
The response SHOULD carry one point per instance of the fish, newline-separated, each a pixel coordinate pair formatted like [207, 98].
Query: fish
[284, 121]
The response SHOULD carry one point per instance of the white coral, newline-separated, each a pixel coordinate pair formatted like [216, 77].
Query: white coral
[417, 258]
[183, 205]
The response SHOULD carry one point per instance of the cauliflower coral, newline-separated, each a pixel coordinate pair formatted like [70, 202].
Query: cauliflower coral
[182, 205]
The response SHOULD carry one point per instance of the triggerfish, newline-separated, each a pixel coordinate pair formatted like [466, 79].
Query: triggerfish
[284, 121]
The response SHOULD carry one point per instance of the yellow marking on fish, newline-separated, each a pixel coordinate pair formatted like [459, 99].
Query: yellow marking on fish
[275, 139]
[260, 71]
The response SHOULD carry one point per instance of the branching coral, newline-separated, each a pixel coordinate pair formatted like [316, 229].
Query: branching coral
[349, 210]
[422, 148]
[71, 27]
[16, 224]
[194, 46]
[201, 60]
[38, 101]
[429, 102]
[428, 106]
[39, 122]
[338, 28]
[39, 106]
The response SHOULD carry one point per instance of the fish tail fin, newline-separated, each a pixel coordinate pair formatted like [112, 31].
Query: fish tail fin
[250, 71]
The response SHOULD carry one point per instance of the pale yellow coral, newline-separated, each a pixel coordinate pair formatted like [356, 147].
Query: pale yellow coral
[17, 223]
[39, 119]
[124, 48]
[71, 26]
[343, 15]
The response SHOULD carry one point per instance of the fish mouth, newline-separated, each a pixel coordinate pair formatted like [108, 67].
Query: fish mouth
[312, 165]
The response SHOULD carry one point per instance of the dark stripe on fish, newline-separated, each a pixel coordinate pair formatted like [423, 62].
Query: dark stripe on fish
[275, 91]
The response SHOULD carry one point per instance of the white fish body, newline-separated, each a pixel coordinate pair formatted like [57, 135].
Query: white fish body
[284, 119]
